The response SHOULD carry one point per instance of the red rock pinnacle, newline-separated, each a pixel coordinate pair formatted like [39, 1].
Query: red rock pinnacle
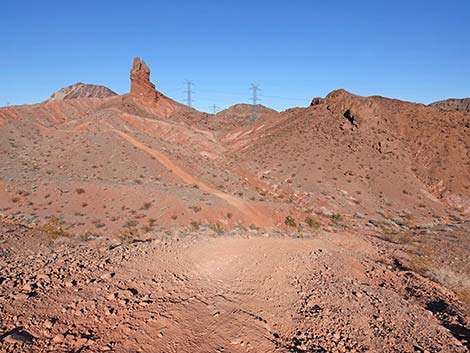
[141, 87]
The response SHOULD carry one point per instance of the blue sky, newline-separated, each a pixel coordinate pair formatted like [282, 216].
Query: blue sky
[298, 49]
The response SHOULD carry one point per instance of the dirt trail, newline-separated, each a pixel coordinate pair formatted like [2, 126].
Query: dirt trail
[255, 214]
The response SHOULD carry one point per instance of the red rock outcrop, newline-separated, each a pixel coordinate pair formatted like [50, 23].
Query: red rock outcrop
[144, 91]
[141, 87]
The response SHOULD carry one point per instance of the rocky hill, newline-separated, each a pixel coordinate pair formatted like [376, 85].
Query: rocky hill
[453, 104]
[338, 227]
[82, 90]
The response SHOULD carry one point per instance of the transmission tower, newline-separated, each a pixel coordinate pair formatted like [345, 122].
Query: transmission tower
[254, 99]
[189, 93]
[214, 109]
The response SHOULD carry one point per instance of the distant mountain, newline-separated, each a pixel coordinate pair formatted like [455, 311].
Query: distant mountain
[453, 104]
[82, 90]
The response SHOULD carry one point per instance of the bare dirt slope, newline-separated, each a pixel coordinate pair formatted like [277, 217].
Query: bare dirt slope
[189, 291]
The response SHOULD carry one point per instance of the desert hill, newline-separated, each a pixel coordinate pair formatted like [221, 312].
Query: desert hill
[82, 90]
[142, 160]
[453, 104]
[338, 227]
[365, 153]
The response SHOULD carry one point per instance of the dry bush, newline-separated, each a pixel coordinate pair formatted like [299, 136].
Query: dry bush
[195, 225]
[54, 227]
[146, 205]
[312, 223]
[196, 209]
[290, 222]
[131, 223]
[217, 227]
[449, 278]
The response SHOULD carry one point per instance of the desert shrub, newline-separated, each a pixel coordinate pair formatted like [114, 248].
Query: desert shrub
[147, 205]
[290, 221]
[131, 223]
[80, 191]
[216, 227]
[195, 225]
[464, 295]
[448, 277]
[312, 223]
[146, 229]
[336, 217]
[196, 209]
[98, 223]
[54, 227]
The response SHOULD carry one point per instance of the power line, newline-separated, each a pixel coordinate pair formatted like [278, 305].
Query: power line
[223, 92]
[286, 98]
[254, 98]
[189, 93]
[214, 108]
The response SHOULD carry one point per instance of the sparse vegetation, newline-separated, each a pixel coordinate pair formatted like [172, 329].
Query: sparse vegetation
[54, 227]
[312, 223]
[196, 209]
[290, 222]
[217, 227]
[15, 199]
[336, 217]
[146, 205]
[131, 223]
[195, 225]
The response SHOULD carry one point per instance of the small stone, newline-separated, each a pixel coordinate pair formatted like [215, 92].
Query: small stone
[21, 297]
[69, 284]
[43, 277]
[19, 337]
[107, 275]
[58, 338]
[69, 337]
[48, 324]
[27, 287]
[358, 294]
[81, 342]
[89, 342]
